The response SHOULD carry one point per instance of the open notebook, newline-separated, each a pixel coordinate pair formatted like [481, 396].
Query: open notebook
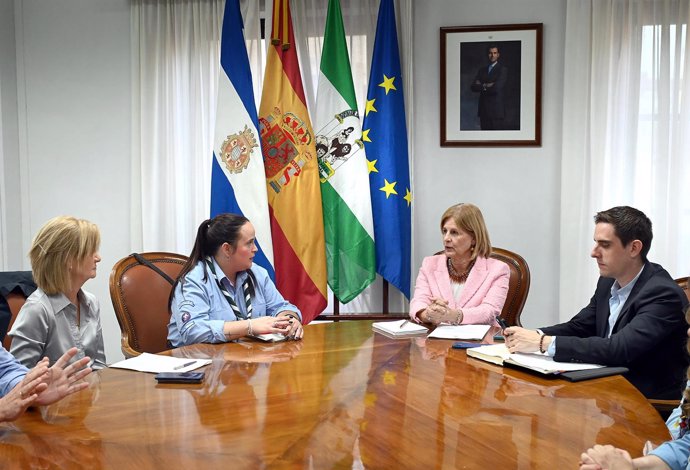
[573, 371]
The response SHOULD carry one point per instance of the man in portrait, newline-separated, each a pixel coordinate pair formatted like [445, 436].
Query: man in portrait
[490, 83]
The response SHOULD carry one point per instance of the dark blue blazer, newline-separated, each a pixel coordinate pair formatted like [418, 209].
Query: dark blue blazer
[648, 338]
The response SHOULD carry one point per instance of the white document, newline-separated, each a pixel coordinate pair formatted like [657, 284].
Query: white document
[146, 362]
[547, 364]
[399, 328]
[270, 337]
[460, 331]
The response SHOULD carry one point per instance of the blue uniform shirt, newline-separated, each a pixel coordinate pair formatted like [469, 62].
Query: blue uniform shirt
[677, 451]
[199, 308]
[11, 372]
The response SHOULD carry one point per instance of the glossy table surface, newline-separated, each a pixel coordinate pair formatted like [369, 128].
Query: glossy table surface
[341, 398]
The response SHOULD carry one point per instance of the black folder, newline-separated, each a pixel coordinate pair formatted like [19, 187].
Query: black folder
[578, 375]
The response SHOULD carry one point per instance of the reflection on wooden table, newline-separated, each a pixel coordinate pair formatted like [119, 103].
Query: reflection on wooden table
[341, 398]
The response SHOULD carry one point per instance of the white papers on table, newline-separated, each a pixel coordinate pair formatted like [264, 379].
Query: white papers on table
[547, 364]
[270, 337]
[146, 362]
[399, 328]
[460, 331]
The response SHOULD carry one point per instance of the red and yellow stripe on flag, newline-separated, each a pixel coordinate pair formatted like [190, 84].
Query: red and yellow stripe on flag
[292, 175]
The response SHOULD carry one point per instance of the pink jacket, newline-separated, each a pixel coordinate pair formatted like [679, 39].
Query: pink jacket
[481, 299]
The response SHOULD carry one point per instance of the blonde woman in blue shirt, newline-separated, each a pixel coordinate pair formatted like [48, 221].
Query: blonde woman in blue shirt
[221, 295]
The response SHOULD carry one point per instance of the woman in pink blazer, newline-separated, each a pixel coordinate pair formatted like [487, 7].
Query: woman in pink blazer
[462, 285]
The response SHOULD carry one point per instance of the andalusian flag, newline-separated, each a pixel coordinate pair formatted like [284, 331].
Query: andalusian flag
[237, 173]
[385, 138]
[343, 166]
[292, 174]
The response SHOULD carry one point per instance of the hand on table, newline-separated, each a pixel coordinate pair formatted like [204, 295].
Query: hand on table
[605, 457]
[296, 330]
[521, 340]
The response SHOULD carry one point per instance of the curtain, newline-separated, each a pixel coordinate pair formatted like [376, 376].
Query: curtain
[626, 127]
[176, 47]
[178, 67]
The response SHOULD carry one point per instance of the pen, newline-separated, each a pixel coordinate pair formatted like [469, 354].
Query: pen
[186, 364]
[403, 324]
[502, 322]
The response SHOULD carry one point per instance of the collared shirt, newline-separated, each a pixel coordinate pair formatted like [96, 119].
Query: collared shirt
[11, 372]
[619, 295]
[199, 309]
[46, 326]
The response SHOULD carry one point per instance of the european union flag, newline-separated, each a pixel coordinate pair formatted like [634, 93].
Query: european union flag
[238, 179]
[385, 141]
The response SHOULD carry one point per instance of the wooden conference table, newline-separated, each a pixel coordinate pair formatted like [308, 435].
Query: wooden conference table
[341, 398]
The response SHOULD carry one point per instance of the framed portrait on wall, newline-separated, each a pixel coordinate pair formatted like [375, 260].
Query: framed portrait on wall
[491, 85]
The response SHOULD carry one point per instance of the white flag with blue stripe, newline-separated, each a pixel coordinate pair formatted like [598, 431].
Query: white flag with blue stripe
[238, 179]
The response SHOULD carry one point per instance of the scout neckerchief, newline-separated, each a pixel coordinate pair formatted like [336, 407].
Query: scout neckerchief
[247, 289]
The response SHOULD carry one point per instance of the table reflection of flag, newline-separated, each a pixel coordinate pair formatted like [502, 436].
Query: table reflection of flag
[385, 140]
[292, 175]
[237, 174]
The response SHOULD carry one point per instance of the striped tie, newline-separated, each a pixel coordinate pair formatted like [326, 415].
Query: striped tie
[247, 288]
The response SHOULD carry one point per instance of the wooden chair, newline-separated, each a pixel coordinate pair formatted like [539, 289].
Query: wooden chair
[665, 407]
[140, 299]
[519, 284]
[15, 287]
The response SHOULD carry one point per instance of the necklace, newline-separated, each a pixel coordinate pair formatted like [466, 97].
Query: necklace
[459, 278]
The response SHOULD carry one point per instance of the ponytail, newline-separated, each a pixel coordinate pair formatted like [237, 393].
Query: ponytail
[210, 236]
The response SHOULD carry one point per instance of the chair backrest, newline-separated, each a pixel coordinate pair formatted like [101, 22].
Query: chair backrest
[15, 287]
[518, 287]
[683, 283]
[140, 299]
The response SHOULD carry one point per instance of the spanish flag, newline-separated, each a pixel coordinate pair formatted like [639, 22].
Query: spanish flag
[292, 174]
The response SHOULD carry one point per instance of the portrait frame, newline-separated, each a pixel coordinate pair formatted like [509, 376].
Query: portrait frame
[473, 114]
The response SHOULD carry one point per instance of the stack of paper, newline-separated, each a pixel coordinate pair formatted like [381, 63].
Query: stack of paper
[146, 362]
[400, 328]
[460, 331]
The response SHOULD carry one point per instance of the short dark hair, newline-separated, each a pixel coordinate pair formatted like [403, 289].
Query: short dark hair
[628, 224]
[493, 46]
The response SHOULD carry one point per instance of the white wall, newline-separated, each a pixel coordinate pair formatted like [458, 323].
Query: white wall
[70, 137]
[517, 189]
[10, 240]
[73, 68]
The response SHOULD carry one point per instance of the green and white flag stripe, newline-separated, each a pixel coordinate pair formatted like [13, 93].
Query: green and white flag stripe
[343, 168]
